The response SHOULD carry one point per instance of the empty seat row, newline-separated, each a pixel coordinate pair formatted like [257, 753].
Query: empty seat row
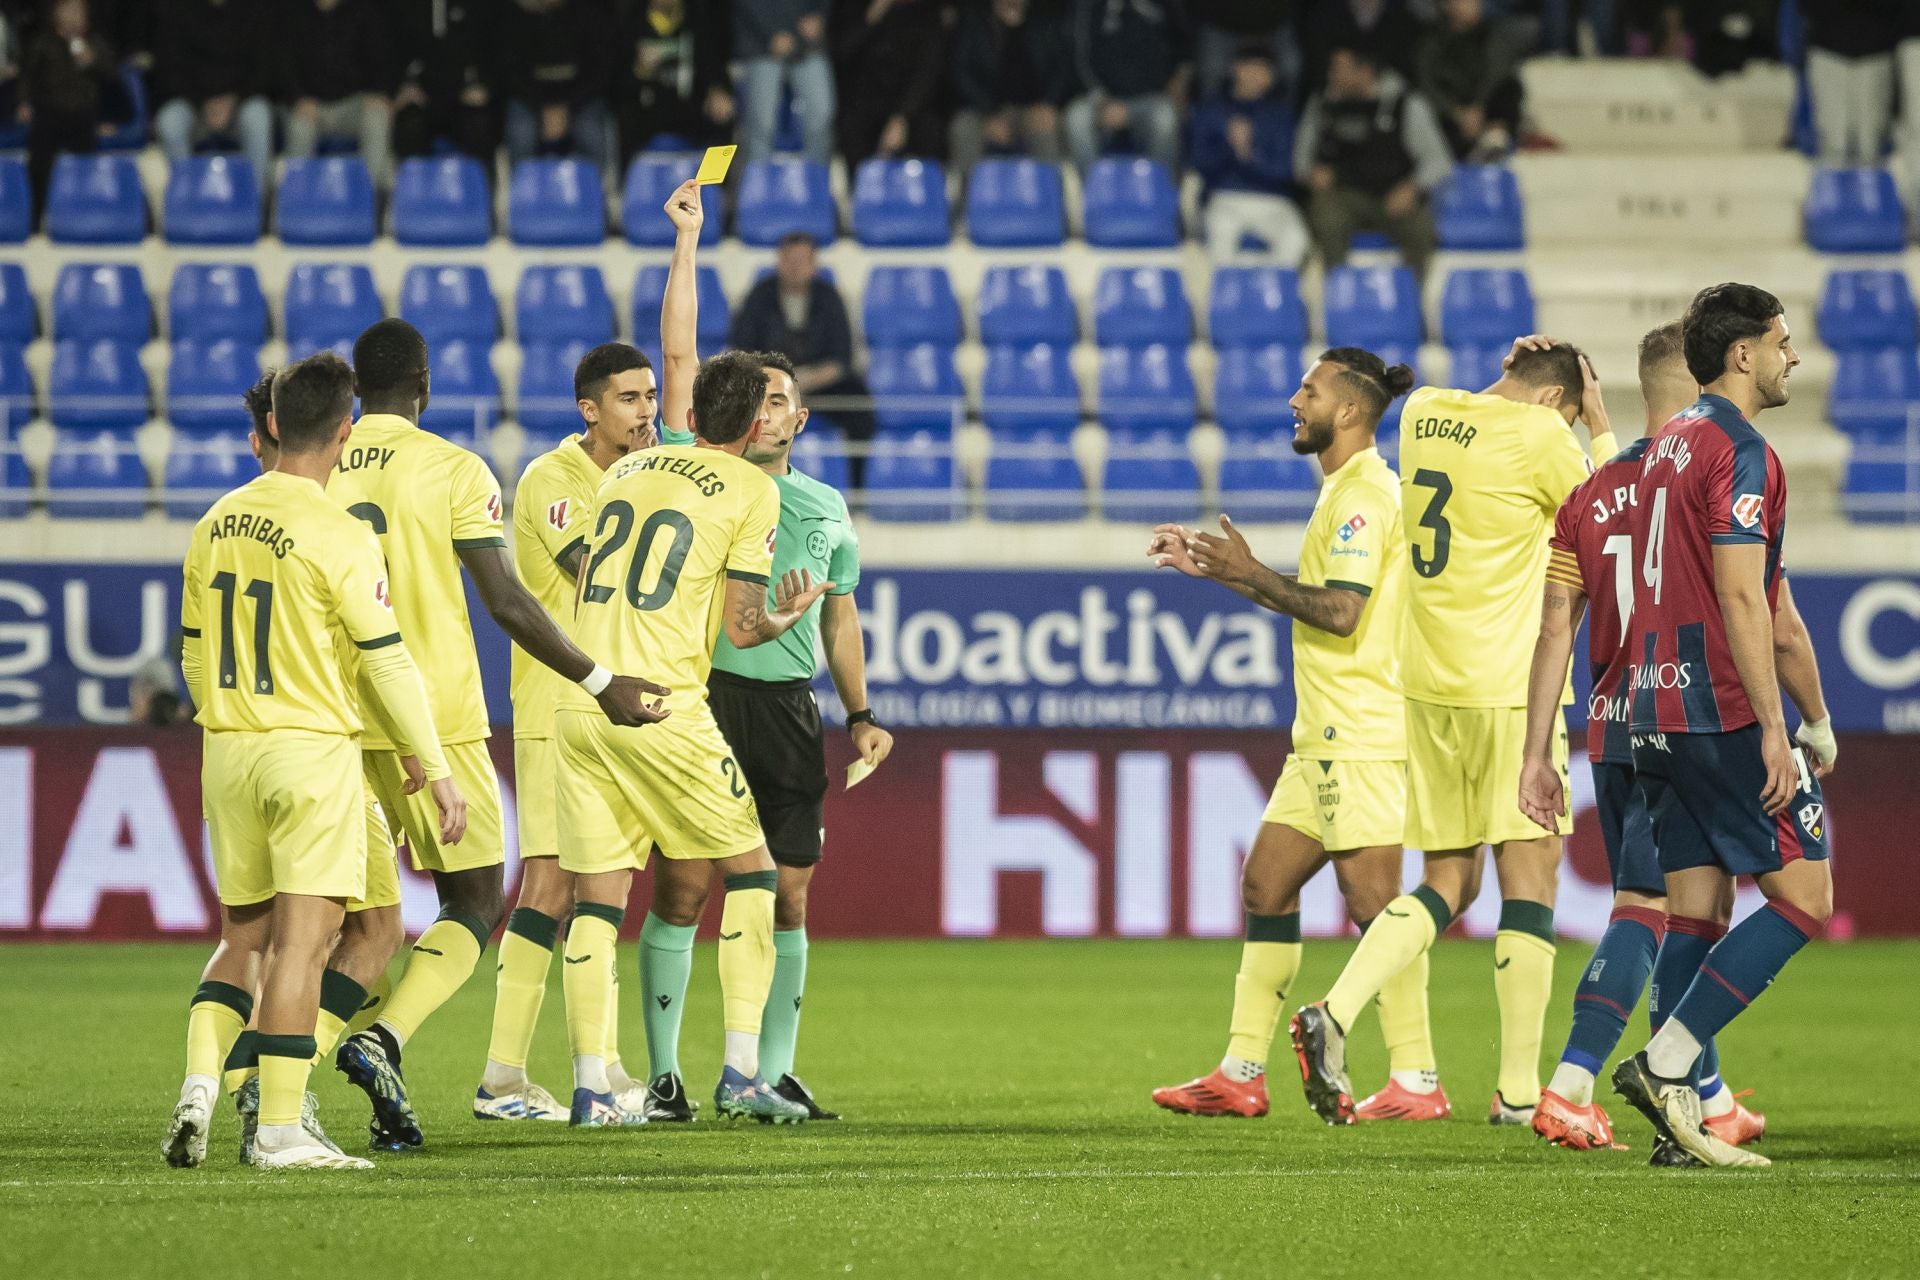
[1855, 211]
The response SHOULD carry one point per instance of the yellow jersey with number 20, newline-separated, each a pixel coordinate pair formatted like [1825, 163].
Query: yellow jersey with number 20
[552, 515]
[1481, 478]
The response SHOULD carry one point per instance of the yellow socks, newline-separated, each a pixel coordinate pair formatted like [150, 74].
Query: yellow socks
[374, 1005]
[340, 998]
[746, 964]
[215, 1019]
[591, 940]
[1403, 1019]
[1523, 981]
[441, 961]
[1269, 962]
[526, 954]
[1402, 931]
[242, 1064]
[284, 1064]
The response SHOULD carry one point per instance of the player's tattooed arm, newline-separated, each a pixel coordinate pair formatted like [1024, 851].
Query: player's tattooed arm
[1543, 796]
[748, 619]
[1229, 560]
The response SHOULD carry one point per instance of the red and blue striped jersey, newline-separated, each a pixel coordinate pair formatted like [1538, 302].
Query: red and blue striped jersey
[1707, 478]
[1593, 552]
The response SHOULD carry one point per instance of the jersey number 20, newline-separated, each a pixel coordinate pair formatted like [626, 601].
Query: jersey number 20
[614, 529]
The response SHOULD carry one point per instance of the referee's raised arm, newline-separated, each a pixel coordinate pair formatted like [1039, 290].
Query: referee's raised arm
[680, 310]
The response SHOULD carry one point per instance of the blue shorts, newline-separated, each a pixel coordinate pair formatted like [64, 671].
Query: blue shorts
[1626, 829]
[1702, 792]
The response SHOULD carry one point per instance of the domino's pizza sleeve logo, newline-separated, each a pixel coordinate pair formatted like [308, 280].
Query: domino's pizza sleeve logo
[557, 513]
[1352, 526]
[1746, 510]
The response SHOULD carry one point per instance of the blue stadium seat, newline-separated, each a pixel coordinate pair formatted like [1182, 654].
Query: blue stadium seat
[1033, 475]
[97, 384]
[102, 300]
[1861, 310]
[1146, 389]
[466, 394]
[1252, 386]
[206, 379]
[198, 472]
[780, 196]
[901, 204]
[212, 200]
[1025, 305]
[1131, 204]
[820, 452]
[556, 202]
[16, 481]
[16, 201]
[327, 304]
[1262, 478]
[131, 133]
[442, 201]
[1486, 307]
[1476, 366]
[914, 388]
[1882, 482]
[19, 320]
[1407, 353]
[447, 302]
[1029, 389]
[562, 304]
[546, 406]
[650, 286]
[95, 475]
[905, 305]
[910, 476]
[325, 200]
[1255, 306]
[1013, 203]
[1372, 306]
[1140, 306]
[96, 199]
[651, 178]
[16, 391]
[216, 300]
[1149, 476]
[1872, 390]
[1855, 211]
[1478, 207]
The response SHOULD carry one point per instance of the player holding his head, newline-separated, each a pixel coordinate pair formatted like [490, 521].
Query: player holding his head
[1342, 795]
[681, 550]
[615, 390]
[1727, 791]
[435, 508]
[277, 581]
[1481, 475]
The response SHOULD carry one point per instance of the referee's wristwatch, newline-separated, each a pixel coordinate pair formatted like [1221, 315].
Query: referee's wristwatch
[862, 717]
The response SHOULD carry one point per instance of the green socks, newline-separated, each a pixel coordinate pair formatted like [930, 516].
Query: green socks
[780, 1024]
[666, 964]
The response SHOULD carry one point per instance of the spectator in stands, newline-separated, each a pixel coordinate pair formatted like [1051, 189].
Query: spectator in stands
[336, 70]
[9, 71]
[678, 83]
[782, 45]
[1012, 72]
[1386, 29]
[896, 51]
[1243, 150]
[1224, 27]
[1131, 58]
[208, 62]
[555, 55]
[1370, 151]
[795, 312]
[444, 90]
[1560, 24]
[70, 86]
[1470, 72]
[1850, 77]
[1907, 56]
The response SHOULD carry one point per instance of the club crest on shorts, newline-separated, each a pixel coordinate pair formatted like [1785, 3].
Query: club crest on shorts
[1746, 509]
[557, 513]
[1812, 817]
[1352, 526]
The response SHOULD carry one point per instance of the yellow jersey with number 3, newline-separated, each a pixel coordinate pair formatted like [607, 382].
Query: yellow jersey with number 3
[552, 514]
[425, 499]
[1481, 478]
[1347, 688]
[281, 587]
[671, 526]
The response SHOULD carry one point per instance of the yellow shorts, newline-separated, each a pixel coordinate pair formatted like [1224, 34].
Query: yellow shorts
[1463, 776]
[485, 844]
[383, 871]
[674, 784]
[1344, 804]
[536, 774]
[284, 810]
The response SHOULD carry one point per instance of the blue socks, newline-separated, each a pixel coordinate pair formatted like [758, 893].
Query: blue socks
[1682, 952]
[1611, 985]
[1743, 965]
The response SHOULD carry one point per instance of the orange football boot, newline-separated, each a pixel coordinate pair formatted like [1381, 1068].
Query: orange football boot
[1215, 1095]
[1739, 1126]
[1575, 1128]
[1397, 1102]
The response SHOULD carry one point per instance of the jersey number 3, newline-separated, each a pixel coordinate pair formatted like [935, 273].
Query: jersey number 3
[614, 529]
[1431, 518]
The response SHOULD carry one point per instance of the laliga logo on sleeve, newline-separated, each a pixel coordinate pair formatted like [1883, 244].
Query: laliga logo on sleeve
[1746, 509]
[493, 507]
[772, 534]
[380, 594]
[1351, 527]
[557, 513]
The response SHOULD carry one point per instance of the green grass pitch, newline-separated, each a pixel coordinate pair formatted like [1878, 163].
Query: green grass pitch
[999, 1126]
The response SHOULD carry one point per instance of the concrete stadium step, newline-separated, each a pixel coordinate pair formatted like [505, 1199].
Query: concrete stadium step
[1642, 106]
[1706, 199]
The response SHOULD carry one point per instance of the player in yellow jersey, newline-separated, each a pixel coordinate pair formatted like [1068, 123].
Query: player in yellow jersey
[1342, 794]
[618, 397]
[285, 612]
[435, 509]
[1482, 476]
[682, 546]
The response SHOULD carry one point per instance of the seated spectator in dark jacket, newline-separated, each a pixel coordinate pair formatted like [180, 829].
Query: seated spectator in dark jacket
[677, 82]
[69, 82]
[781, 47]
[209, 76]
[444, 90]
[553, 54]
[336, 72]
[795, 312]
[1243, 150]
[1370, 150]
[1470, 72]
[1221, 28]
[1385, 28]
[1012, 72]
[896, 52]
[1131, 58]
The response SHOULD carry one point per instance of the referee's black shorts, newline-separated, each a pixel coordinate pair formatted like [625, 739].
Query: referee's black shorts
[774, 730]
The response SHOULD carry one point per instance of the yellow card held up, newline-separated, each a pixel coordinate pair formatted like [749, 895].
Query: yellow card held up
[714, 165]
[857, 773]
